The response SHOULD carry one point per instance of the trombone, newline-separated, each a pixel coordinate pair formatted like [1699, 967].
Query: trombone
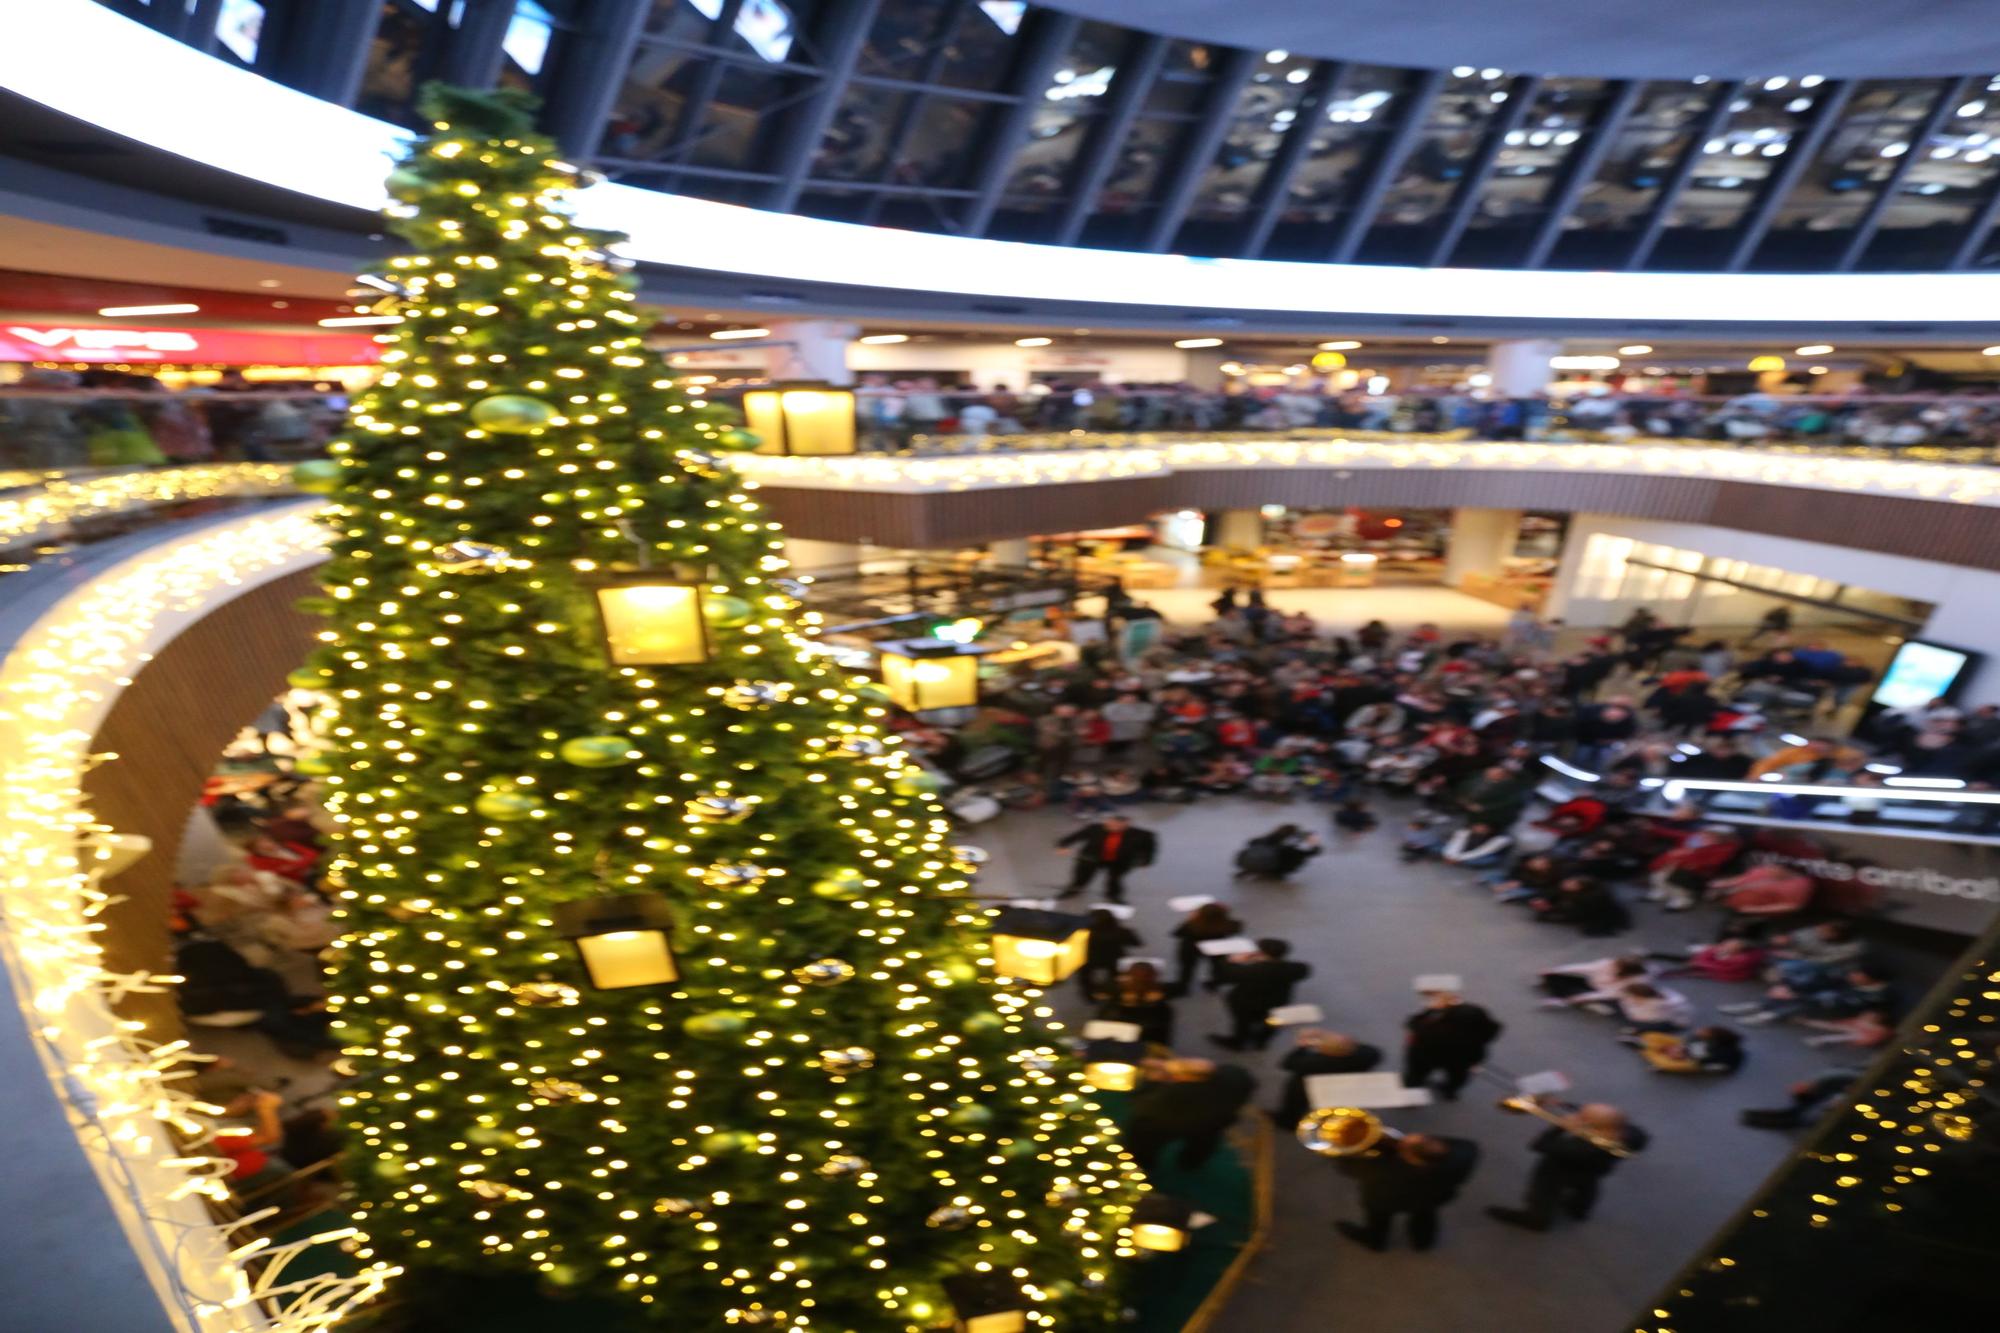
[1521, 1104]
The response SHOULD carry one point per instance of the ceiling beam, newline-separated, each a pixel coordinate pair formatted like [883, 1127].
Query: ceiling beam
[1949, 99]
[1581, 170]
[1388, 164]
[1045, 36]
[1712, 123]
[1521, 94]
[593, 63]
[841, 33]
[1199, 147]
[1274, 188]
[1800, 154]
[1099, 154]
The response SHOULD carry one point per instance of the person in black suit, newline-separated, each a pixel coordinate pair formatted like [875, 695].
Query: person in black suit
[1416, 1175]
[1318, 1052]
[1572, 1165]
[1257, 983]
[1113, 846]
[1447, 1036]
[1189, 1102]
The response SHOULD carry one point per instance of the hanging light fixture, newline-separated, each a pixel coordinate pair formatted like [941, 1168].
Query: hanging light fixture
[621, 942]
[1113, 1066]
[988, 1302]
[1162, 1223]
[801, 417]
[926, 674]
[651, 619]
[1044, 947]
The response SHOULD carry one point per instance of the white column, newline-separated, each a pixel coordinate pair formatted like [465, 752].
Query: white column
[807, 555]
[1011, 554]
[1521, 369]
[1480, 542]
[1238, 530]
[816, 350]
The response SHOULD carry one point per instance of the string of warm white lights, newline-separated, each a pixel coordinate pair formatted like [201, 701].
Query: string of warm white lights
[49, 508]
[1904, 479]
[142, 1131]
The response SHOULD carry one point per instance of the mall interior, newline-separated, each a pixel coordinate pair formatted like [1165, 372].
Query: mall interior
[888, 666]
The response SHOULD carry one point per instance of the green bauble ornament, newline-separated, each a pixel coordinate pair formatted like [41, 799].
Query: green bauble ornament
[316, 476]
[840, 884]
[1021, 1148]
[915, 782]
[407, 185]
[739, 439]
[562, 1275]
[970, 1117]
[872, 694]
[958, 969]
[716, 1023]
[512, 414]
[312, 765]
[724, 1142]
[506, 806]
[307, 678]
[725, 612]
[983, 1023]
[596, 751]
[387, 1167]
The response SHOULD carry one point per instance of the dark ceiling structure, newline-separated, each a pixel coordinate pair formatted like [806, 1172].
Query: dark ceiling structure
[1719, 38]
[1031, 122]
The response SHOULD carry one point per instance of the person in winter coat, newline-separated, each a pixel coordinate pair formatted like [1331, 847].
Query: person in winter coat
[1187, 1102]
[1111, 845]
[1210, 921]
[1573, 1163]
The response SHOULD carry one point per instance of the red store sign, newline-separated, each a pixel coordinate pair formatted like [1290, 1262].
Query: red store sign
[30, 342]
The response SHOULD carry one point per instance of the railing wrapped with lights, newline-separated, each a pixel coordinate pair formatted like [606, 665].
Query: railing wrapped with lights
[1707, 462]
[125, 1094]
[45, 506]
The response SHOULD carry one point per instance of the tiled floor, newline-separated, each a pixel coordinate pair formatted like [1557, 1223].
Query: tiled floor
[1368, 923]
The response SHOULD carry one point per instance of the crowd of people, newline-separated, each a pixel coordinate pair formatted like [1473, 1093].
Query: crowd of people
[928, 414]
[104, 418]
[1451, 730]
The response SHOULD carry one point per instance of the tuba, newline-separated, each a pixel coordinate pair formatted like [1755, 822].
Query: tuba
[1343, 1131]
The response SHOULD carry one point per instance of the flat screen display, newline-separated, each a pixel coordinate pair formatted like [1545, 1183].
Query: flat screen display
[1919, 673]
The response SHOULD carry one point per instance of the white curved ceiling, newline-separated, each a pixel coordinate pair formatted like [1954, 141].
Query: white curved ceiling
[1720, 38]
[87, 62]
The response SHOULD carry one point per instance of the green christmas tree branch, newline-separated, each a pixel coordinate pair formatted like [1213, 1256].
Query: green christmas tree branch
[838, 1105]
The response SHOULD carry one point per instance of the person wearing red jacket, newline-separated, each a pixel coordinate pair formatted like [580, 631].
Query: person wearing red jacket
[1680, 874]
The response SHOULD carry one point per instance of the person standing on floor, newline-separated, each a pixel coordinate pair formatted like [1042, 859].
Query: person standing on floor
[1257, 983]
[1110, 938]
[1210, 921]
[1185, 1101]
[1113, 846]
[1449, 1037]
[1318, 1052]
[1574, 1159]
[1416, 1176]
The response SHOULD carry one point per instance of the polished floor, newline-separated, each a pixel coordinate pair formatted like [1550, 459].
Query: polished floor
[1368, 923]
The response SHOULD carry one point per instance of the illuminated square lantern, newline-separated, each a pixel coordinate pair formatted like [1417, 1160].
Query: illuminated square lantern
[1113, 1066]
[801, 418]
[987, 1302]
[1163, 1223]
[923, 675]
[651, 620]
[1044, 947]
[622, 942]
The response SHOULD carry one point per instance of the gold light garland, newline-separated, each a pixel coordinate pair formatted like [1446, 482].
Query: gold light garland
[57, 500]
[125, 1092]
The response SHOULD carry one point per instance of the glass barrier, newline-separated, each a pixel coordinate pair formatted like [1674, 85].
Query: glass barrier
[924, 420]
[44, 429]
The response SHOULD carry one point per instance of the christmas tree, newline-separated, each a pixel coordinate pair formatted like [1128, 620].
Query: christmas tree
[838, 1116]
